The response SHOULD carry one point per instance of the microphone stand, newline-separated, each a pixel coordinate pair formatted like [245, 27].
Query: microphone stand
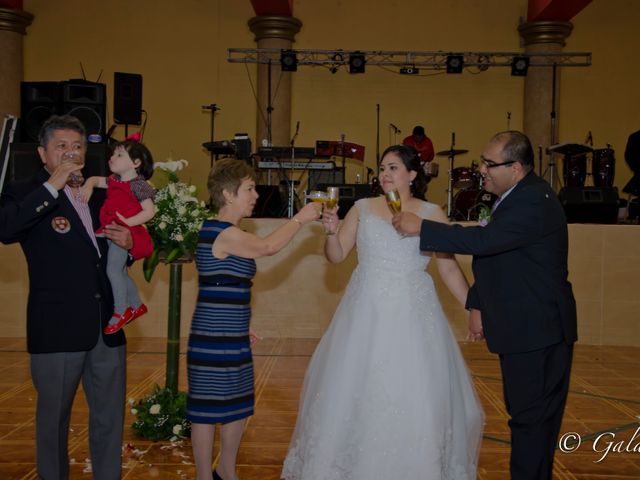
[291, 182]
[450, 183]
[213, 108]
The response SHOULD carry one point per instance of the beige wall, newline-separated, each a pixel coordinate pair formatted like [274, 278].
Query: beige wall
[296, 292]
[180, 48]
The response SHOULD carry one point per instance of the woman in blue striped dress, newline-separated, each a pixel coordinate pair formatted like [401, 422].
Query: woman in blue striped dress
[219, 363]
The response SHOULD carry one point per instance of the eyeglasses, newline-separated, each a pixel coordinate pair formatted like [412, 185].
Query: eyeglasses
[492, 164]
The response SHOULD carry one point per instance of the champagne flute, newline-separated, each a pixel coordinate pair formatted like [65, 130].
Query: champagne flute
[75, 179]
[393, 201]
[333, 195]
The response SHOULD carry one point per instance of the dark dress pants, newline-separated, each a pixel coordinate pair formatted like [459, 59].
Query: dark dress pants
[535, 392]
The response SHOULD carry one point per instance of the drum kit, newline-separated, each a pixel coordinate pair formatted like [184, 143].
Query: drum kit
[576, 158]
[469, 197]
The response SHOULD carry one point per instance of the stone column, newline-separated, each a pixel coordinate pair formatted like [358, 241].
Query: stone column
[543, 37]
[274, 32]
[13, 25]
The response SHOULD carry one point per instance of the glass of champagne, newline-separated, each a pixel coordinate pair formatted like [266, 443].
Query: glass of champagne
[75, 179]
[393, 201]
[317, 196]
[333, 195]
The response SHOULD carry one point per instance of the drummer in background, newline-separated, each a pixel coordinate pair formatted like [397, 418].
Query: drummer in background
[421, 143]
[424, 146]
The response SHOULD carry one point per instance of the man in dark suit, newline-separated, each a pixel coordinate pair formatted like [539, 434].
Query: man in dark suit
[70, 302]
[521, 289]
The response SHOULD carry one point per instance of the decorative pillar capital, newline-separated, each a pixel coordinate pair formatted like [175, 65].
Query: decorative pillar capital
[275, 27]
[15, 20]
[545, 32]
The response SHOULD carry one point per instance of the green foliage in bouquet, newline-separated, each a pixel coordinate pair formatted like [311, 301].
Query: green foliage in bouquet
[161, 415]
[179, 215]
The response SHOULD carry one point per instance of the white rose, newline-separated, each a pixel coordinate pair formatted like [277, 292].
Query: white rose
[182, 210]
[134, 411]
[192, 188]
[177, 429]
[131, 401]
[179, 237]
[162, 225]
[155, 409]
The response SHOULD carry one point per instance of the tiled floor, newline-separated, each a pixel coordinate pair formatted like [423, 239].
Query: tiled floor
[604, 401]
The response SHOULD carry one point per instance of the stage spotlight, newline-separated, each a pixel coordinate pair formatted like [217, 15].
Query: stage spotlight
[455, 63]
[288, 61]
[338, 59]
[356, 62]
[519, 66]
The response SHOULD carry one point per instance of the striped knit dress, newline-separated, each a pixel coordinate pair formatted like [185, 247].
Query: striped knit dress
[219, 363]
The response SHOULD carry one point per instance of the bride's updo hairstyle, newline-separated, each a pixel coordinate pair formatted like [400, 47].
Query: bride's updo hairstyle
[411, 160]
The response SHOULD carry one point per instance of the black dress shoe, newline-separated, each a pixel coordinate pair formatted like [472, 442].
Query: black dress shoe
[216, 476]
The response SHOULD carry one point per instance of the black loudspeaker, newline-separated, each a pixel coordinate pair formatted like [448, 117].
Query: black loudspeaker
[24, 161]
[271, 202]
[349, 194]
[127, 98]
[590, 204]
[86, 101]
[330, 177]
[38, 101]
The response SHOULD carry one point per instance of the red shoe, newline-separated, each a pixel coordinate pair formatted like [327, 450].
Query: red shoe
[138, 312]
[125, 318]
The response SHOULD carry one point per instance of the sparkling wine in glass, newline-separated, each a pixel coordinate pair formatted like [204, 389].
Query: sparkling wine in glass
[393, 201]
[317, 196]
[333, 195]
[75, 179]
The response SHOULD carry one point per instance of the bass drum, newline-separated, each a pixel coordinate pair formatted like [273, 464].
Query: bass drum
[466, 203]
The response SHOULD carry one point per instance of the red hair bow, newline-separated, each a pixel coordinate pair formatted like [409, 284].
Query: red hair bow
[134, 137]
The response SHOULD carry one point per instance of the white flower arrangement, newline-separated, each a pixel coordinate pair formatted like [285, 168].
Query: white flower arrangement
[179, 216]
[161, 415]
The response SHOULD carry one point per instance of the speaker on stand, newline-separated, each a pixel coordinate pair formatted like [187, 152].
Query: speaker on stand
[127, 98]
[85, 101]
[38, 101]
[590, 204]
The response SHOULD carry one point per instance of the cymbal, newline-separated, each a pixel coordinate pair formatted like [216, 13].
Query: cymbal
[570, 148]
[450, 153]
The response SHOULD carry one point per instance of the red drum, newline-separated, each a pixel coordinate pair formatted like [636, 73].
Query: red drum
[574, 170]
[465, 177]
[603, 167]
[466, 203]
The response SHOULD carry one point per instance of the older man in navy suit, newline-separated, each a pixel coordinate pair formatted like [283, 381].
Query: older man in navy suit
[521, 289]
[69, 304]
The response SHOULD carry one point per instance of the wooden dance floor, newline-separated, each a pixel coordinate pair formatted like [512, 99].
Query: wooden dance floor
[603, 408]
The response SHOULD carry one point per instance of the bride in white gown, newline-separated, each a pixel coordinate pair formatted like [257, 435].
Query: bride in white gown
[387, 394]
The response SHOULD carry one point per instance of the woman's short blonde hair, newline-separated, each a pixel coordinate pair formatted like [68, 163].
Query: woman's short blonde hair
[227, 174]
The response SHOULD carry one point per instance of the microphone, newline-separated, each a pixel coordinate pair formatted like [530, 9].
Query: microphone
[590, 138]
[453, 139]
[213, 107]
[295, 135]
[397, 130]
[297, 126]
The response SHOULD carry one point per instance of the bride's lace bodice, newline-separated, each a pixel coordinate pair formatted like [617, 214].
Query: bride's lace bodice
[380, 246]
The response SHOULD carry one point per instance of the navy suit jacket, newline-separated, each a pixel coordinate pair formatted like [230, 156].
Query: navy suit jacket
[519, 266]
[70, 298]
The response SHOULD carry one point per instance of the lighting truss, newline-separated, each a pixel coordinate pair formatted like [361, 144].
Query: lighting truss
[427, 60]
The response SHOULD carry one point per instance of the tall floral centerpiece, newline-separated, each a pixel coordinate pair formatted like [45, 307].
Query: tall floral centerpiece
[174, 230]
[179, 216]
